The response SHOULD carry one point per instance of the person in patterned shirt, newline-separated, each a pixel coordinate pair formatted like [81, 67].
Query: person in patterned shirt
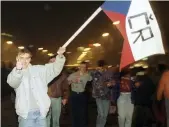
[102, 81]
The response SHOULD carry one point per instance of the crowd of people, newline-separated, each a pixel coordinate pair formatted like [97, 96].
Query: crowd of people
[140, 97]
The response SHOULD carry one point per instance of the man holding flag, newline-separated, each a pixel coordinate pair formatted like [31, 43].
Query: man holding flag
[30, 83]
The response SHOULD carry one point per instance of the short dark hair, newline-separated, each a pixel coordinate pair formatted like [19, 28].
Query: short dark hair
[125, 71]
[25, 50]
[84, 62]
[162, 67]
[101, 63]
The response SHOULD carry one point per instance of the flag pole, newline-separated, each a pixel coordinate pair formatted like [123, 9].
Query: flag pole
[82, 27]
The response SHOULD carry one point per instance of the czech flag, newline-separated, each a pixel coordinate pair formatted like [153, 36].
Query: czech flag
[139, 28]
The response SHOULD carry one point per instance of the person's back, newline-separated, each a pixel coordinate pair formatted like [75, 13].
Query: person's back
[166, 84]
[163, 86]
[163, 89]
[144, 91]
[144, 88]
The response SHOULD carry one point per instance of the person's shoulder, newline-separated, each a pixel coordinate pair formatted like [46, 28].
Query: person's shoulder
[74, 73]
[38, 67]
[166, 74]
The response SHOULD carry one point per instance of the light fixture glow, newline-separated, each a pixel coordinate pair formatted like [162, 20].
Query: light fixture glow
[9, 42]
[21, 47]
[40, 48]
[87, 49]
[81, 57]
[44, 50]
[105, 34]
[84, 52]
[116, 22]
[145, 66]
[6, 34]
[50, 54]
[96, 44]
[137, 65]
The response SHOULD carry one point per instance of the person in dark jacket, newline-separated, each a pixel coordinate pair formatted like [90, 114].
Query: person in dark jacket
[58, 92]
[143, 100]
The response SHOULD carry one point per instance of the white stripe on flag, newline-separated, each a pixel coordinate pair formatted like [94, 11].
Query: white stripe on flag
[142, 29]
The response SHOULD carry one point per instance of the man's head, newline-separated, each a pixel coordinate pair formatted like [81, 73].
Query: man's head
[125, 72]
[101, 63]
[24, 56]
[52, 59]
[162, 67]
[83, 67]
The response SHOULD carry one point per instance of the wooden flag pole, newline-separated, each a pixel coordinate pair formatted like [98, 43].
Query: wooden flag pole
[82, 27]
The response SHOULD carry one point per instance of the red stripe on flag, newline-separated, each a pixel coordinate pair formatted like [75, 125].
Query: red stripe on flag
[126, 56]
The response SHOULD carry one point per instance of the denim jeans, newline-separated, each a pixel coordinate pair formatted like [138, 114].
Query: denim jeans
[103, 110]
[54, 113]
[34, 119]
[167, 110]
[125, 110]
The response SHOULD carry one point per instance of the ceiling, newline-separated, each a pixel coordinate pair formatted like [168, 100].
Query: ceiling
[51, 24]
